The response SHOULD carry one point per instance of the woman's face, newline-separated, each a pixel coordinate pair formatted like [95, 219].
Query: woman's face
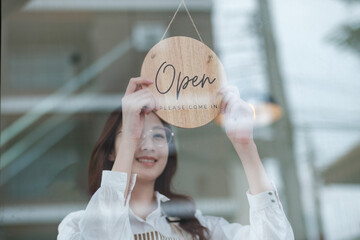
[149, 159]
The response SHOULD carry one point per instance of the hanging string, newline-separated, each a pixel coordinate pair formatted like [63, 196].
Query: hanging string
[172, 19]
[192, 21]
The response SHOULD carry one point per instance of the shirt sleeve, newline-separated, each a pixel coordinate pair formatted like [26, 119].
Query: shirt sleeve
[106, 215]
[267, 221]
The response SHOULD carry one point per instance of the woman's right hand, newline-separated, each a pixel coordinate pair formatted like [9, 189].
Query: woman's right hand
[136, 102]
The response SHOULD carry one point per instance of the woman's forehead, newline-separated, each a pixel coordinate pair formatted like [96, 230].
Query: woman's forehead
[153, 119]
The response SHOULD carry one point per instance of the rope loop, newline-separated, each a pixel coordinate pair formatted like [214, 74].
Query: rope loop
[182, 2]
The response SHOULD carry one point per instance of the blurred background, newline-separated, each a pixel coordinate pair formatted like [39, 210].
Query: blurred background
[65, 65]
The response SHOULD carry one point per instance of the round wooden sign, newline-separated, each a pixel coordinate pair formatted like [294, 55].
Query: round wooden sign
[187, 76]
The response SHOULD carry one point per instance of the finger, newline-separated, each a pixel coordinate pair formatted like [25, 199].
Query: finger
[235, 110]
[230, 103]
[235, 90]
[221, 91]
[135, 102]
[146, 104]
[225, 101]
[241, 109]
[143, 106]
[148, 94]
[134, 83]
[140, 92]
[130, 101]
[144, 93]
[156, 102]
[138, 87]
[230, 89]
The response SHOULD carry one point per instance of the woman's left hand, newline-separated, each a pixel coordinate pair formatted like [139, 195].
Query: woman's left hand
[238, 118]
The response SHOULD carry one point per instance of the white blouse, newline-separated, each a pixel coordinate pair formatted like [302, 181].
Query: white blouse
[108, 216]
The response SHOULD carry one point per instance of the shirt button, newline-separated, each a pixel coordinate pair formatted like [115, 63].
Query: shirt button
[272, 200]
[270, 193]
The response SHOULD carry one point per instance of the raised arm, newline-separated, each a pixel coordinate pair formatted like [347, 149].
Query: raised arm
[255, 173]
[135, 103]
[267, 217]
[106, 214]
[238, 124]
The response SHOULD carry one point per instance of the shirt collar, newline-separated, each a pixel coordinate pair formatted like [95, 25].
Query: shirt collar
[157, 212]
[160, 198]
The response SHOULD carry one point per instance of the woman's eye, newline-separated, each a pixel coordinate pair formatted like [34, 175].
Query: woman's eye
[159, 136]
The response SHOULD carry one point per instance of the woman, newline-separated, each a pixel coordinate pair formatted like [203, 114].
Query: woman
[130, 175]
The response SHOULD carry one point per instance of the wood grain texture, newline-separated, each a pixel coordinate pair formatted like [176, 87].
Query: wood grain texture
[187, 75]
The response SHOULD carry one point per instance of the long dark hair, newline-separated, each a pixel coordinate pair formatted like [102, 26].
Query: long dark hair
[100, 161]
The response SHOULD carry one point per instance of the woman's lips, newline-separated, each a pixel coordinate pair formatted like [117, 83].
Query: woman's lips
[147, 161]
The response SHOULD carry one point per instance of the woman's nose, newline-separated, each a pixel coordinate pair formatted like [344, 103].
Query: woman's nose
[146, 143]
